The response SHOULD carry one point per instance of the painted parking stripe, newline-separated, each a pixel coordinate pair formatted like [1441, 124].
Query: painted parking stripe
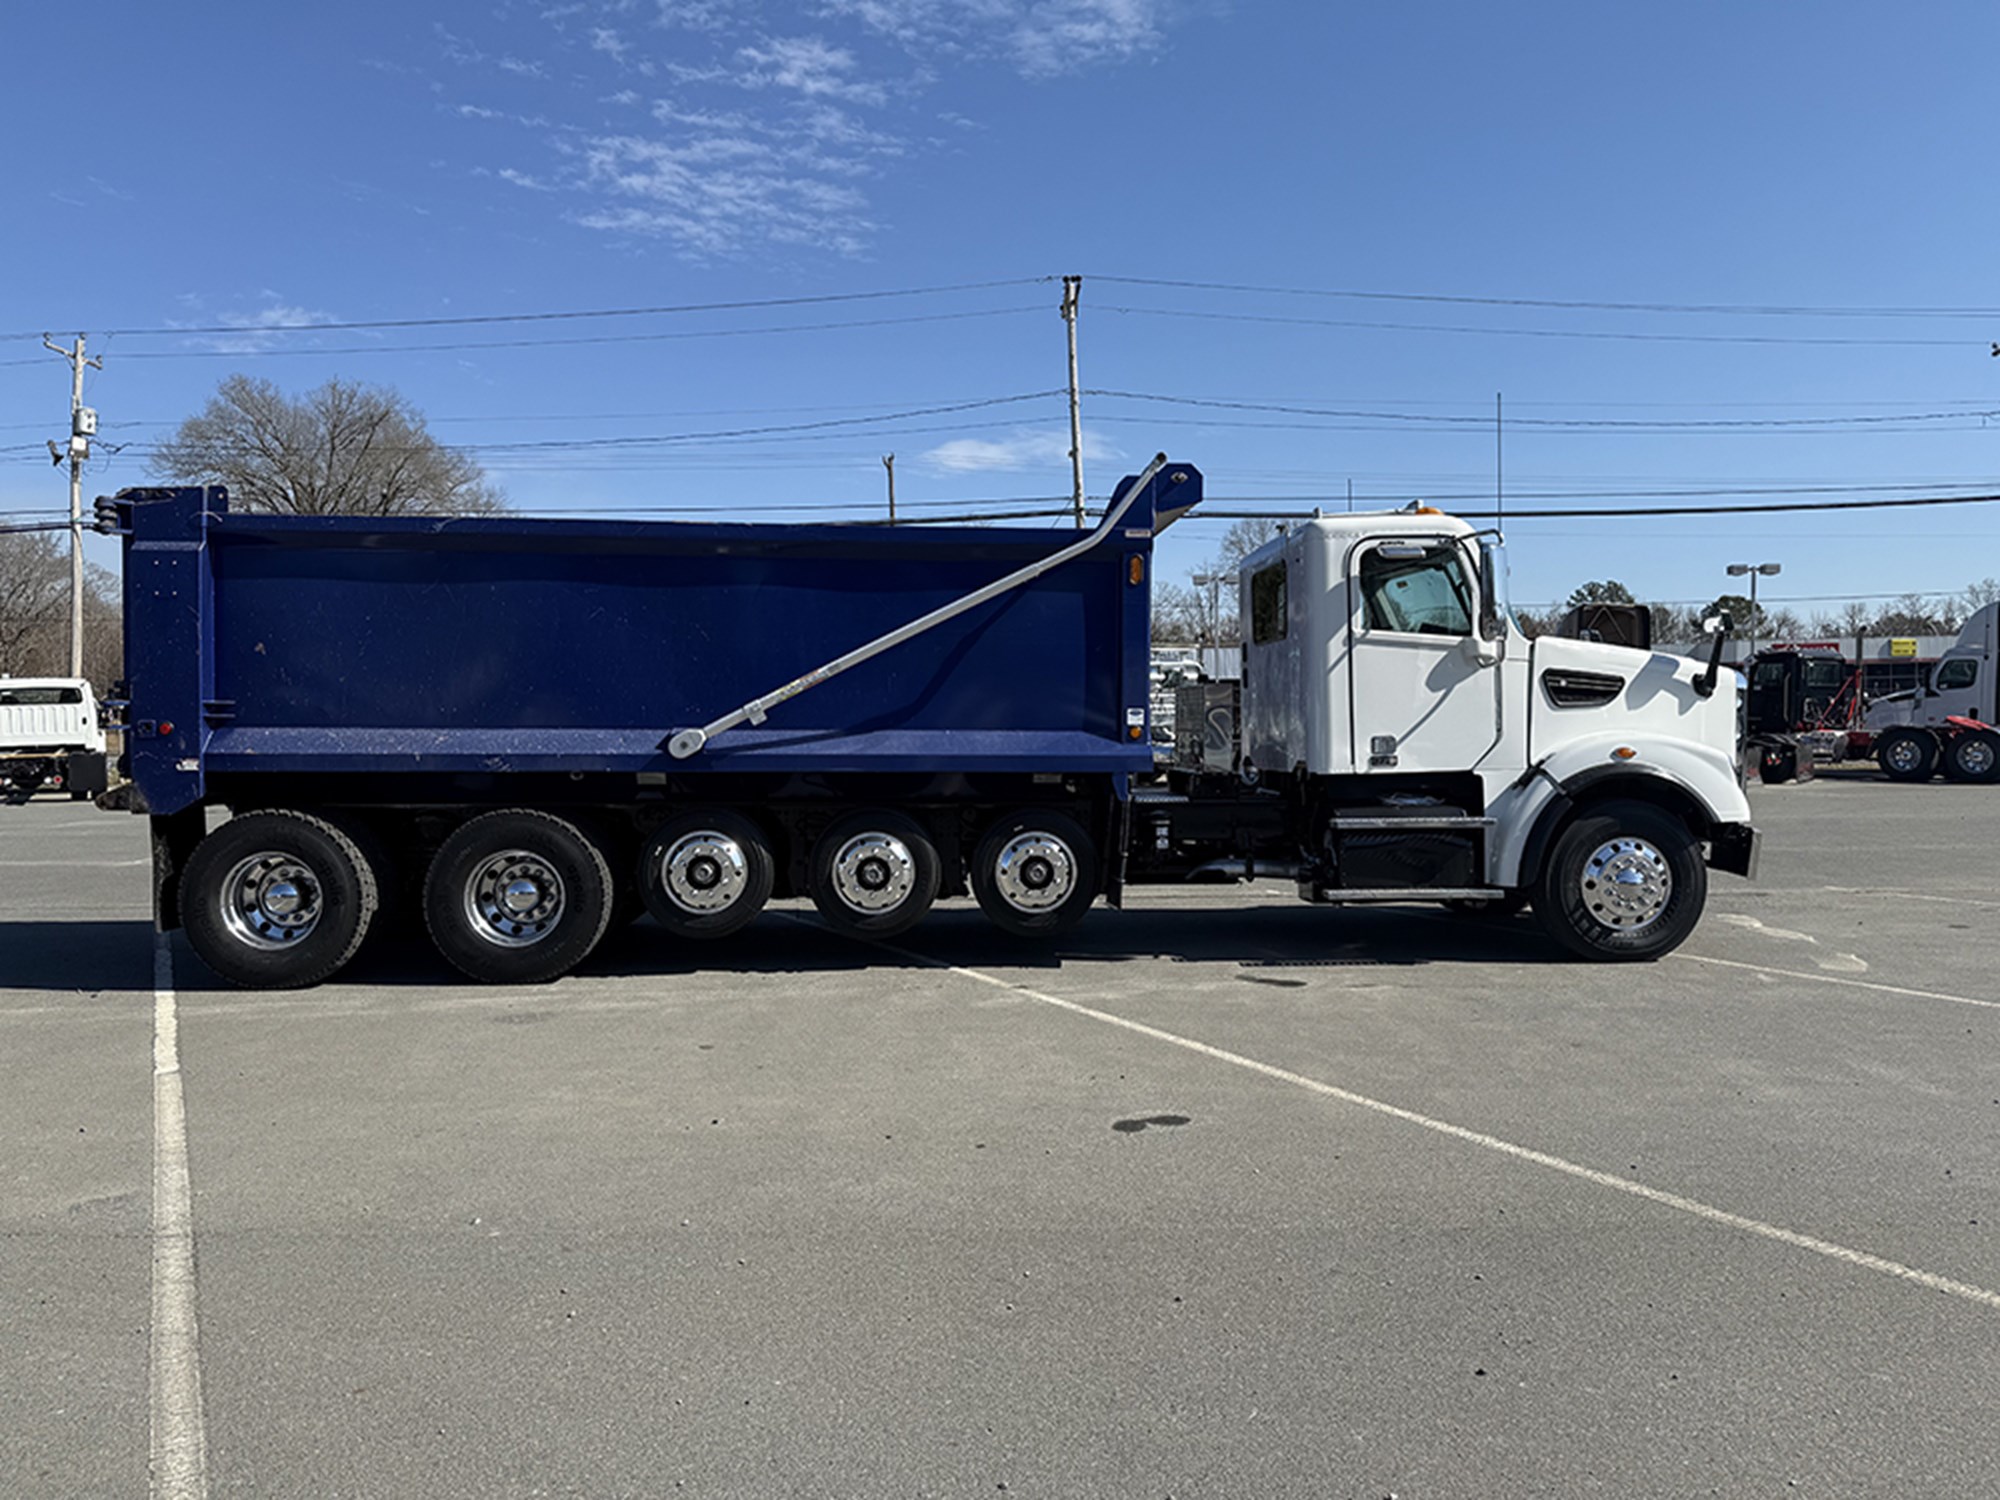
[1856, 984]
[1690, 1206]
[179, 1443]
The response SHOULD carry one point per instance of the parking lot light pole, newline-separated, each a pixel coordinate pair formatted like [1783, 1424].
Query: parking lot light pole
[1738, 570]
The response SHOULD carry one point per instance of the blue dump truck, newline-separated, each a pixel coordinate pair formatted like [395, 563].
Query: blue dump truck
[527, 730]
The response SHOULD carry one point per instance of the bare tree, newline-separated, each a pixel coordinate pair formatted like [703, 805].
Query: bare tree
[1177, 615]
[34, 612]
[343, 449]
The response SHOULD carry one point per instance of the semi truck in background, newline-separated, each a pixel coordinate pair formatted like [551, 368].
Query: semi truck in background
[1948, 725]
[51, 734]
[523, 730]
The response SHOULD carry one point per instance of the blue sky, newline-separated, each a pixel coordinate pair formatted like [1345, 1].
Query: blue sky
[232, 166]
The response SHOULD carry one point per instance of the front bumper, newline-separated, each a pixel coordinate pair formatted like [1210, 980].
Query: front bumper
[1733, 849]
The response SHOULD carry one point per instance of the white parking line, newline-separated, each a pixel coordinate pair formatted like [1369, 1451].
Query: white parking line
[179, 1450]
[1857, 984]
[1857, 890]
[1675, 1201]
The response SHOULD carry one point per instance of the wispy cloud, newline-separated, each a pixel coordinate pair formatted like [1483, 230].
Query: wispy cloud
[259, 329]
[760, 132]
[1024, 449]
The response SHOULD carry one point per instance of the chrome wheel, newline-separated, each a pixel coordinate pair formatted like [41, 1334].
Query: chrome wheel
[271, 900]
[873, 872]
[1904, 756]
[1626, 883]
[513, 899]
[704, 872]
[1034, 872]
[1976, 756]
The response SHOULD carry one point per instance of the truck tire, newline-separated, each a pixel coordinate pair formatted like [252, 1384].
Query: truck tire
[1907, 755]
[1625, 881]
[277, 899]
[517, 897]
[874, 874]
[1035, 874]
[705, 875]
[1973, 756]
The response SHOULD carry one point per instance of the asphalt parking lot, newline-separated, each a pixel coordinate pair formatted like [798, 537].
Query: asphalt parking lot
[1225, 1196]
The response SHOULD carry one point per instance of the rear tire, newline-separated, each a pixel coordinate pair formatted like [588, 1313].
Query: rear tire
[1624, 882]
[517, 897]
[1035, 874]
[1907, 755]
[1973, 756]
[874, 874]
[705, 875]
[276, 900]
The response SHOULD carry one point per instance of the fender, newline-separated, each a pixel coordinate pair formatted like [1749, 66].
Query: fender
[1691, 780]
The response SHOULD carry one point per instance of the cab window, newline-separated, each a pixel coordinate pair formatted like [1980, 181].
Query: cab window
[1267, 605]
[39, 697]
[1416, 588]
[1960, 672]
[1821, 675]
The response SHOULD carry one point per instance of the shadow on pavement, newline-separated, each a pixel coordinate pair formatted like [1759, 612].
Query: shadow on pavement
[78, 956]
[1267, 943]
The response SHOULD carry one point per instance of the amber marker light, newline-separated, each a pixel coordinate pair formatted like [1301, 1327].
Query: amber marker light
[1624, 752]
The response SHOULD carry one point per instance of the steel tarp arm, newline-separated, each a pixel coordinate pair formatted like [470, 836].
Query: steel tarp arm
[687, 742]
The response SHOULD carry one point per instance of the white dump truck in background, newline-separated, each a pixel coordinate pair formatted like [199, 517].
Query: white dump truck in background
[51, 735]
[1949, 726]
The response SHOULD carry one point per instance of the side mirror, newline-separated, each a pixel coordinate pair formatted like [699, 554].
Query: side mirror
[1717, 625]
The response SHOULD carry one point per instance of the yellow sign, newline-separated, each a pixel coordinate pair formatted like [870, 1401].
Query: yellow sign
[1902, 645]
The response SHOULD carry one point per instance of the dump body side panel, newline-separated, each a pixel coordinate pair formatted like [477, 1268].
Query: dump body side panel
[346, 645]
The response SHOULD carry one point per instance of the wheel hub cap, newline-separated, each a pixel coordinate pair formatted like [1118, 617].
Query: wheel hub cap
[874, 872]
[514, 899]
[1626, 883]
[1035, 872]
[704, 872]
[271, 901]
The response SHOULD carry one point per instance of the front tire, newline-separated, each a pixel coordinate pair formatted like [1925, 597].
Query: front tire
[874, 874]
[517, 897]
[1035, 874]
[1907, 755]
[276, 900]
[1624, 882]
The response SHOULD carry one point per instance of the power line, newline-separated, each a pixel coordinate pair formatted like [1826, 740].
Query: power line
[609, 338]
[1624, 512]
[1550, 333]
[486, 319]
[1725, 309]
[1484, 423]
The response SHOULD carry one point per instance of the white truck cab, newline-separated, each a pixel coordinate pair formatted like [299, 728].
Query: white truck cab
[1444, 755]
[1953, 725]
[51, 733]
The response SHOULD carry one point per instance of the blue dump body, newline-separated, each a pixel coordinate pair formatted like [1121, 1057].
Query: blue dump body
[342, 645]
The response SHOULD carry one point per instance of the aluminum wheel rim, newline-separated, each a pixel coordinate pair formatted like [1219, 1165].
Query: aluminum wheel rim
[1975, 757]
[704, 873]
[1034, 872]
[874, 872]
[1905, 754]
[514, 899]
[1626, 883]
[272, 901]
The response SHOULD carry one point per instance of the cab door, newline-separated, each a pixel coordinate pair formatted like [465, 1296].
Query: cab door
[1421, 699]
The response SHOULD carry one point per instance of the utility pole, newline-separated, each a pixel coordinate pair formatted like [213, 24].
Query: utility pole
[889, 463]
[82, 425]
[1072, 290]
